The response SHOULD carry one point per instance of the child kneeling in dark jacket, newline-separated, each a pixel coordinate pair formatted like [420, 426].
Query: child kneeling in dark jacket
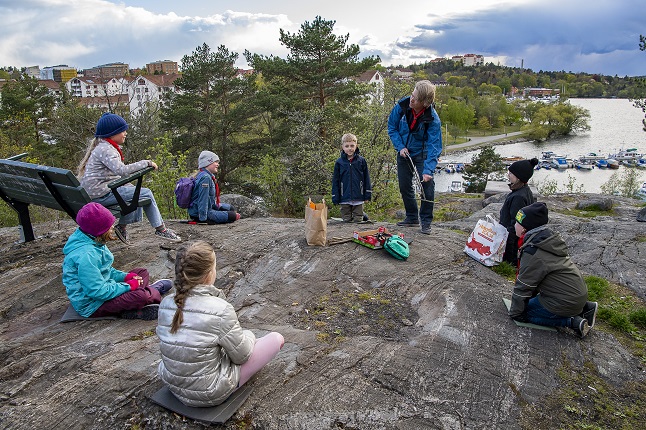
[549, 289]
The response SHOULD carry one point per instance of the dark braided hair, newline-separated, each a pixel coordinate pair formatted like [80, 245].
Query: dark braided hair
[193, 264]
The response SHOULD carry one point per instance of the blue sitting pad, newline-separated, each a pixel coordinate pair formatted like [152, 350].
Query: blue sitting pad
[530, 325]
[71, 315]
[214, 414]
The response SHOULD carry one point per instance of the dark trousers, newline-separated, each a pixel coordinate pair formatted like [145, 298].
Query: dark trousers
[351, 213]
[131, 300]
[405, 177]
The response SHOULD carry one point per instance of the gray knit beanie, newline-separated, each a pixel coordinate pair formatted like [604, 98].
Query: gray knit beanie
[206, 158]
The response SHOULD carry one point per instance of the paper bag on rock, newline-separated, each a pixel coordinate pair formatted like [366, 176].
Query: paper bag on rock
[316, 223]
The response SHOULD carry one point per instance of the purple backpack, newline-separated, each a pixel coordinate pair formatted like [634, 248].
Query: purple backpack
[184, 191]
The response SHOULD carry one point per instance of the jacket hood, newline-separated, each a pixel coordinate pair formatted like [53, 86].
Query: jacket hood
[77, 240]
[545, 239]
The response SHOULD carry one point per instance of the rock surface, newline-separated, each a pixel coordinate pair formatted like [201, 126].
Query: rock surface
[371, 342]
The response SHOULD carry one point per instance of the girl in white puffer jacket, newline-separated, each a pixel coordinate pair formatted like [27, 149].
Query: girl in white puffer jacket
[206, 355]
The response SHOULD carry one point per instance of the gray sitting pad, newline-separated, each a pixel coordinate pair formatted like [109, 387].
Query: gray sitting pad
[215, 414]
[71, 315]
[530, 325]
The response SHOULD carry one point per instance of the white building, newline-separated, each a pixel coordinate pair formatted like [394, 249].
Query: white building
[95, 87]
[150, 88]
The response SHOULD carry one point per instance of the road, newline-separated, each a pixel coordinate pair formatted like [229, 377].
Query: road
[484, 139]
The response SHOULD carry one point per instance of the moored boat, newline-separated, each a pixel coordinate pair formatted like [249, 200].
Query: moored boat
[612, 163]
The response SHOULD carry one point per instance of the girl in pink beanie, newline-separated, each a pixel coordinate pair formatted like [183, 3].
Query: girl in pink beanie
[94, 287]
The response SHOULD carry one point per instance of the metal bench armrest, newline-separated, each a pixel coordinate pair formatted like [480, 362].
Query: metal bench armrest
[17, 157]
[134, 203]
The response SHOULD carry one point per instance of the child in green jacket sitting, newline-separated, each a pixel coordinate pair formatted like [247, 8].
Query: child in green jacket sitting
[549, 288]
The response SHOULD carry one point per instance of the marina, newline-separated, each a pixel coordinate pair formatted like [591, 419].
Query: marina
[615, 131]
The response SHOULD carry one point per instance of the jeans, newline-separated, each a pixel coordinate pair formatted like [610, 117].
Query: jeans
[537, 314]
[405, 178]
[127, 191]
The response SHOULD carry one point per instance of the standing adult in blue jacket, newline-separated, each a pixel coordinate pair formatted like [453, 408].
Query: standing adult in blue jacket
[416, 133]
[205, 198]
[351, 180]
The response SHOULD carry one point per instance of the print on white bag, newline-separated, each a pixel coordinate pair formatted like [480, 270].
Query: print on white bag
[486, 243]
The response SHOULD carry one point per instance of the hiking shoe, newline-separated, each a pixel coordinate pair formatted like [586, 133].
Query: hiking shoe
[580, 326]
[590, 312]
[426, 229]
[408, 223]
[169, 235]
[122, 234]
[365, 217]
[163, 286]
[148, 313]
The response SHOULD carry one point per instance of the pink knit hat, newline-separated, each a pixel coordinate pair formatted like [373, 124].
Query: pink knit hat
[94, 219]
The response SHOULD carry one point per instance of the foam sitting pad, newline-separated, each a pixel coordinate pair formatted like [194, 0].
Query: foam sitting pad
[71, 315]
[530, 325]
[215, 414]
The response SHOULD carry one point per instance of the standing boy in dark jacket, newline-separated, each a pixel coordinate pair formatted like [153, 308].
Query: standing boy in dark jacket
[519, 174]
[351, 180]
[549, 288]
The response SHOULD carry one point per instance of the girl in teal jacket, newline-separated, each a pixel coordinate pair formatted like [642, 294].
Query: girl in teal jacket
[94, 287]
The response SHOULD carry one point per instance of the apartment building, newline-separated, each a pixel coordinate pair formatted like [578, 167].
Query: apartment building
[165, 66]
[107, 71]
[60, 74]
[150, 88]
[97, 87]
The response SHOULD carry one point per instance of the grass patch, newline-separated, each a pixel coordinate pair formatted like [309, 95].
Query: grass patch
[584, 400]
[335, 316]
[640, 238]
[450, 212]
[506, 270]
[621, 313]
[591, 213]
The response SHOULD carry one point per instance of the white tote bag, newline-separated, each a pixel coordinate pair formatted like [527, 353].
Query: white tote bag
[486, 243]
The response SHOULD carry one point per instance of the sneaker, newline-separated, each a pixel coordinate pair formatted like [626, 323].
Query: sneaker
[163, 286]
[408, 223]
[148, 313]
[168, 234]
[122, 234]
[590, 312]
[580, 326]
[426, 229]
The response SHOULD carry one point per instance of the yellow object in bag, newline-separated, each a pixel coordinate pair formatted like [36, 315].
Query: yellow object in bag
[316, 223]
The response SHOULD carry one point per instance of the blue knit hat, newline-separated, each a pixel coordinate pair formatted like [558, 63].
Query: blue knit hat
[110, 124]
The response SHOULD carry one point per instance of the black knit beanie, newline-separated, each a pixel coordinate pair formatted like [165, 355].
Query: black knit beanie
[523, 169]
[532, 216]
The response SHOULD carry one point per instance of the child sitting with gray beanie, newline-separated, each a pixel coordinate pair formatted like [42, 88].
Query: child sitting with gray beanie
[205, 197]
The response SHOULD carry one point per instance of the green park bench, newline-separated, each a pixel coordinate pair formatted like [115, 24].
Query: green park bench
[23, 184]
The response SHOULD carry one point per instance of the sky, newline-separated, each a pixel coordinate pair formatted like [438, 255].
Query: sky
[591, 36]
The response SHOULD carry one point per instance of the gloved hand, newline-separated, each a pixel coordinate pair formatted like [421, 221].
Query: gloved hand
[130, 276]
[134, 284]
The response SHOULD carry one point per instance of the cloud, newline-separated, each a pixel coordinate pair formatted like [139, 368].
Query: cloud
[93, 32]
[547, 35]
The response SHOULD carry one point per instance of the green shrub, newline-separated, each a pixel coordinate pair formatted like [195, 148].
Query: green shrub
[638, 317]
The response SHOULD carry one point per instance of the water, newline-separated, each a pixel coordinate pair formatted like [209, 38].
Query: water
[614, 124]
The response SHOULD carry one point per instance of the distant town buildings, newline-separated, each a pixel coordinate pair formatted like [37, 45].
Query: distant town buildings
[60, 74]
[469, 60]
[165, 66]
[107, 71]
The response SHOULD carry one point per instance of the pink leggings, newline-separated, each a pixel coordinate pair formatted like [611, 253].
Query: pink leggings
[264, 351]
